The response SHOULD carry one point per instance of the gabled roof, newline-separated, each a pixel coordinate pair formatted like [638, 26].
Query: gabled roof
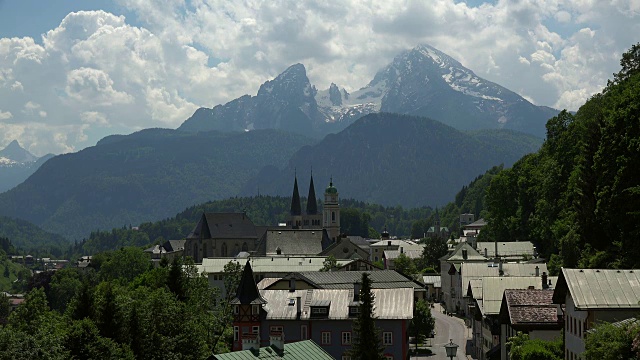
[389, 303]
[476, 224]
[478, 270]
[380, 279]
[507, 248]
[341, 242]
[224, 226]
[293, 242]
[529, 308]
[247, 292]
[301, 350]
[599, 288]
[493, 288]
[458, 254]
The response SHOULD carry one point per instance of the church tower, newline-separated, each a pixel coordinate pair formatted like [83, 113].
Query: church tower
[331, 212]
[295, 219]
[312, 219]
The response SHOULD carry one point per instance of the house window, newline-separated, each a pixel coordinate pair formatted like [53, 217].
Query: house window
[325, 338]
[236, 309]
[255, 309]
[333, 216]
[346, 338]
[304, 334]
[387, 338]
[354, 310]
[276, 328]
[255, 329]
[236, 333]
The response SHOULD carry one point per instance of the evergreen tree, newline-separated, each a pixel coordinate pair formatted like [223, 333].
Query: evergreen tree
[366, 344]
[176, 280]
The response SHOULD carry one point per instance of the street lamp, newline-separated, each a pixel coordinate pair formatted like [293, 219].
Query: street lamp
[451, 349]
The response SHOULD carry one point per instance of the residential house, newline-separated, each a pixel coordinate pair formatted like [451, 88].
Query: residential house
[277, 349]
[530, 311]
[170, 249]
[347, 248]
[378, 248]
[433, 284]
[485, 326]
[389, 256]
[322, 315]
[450, 264]
[590, 296]
[473, 228]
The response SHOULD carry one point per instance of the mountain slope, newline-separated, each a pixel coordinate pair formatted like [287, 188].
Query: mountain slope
[393, 159]
[422, 81]
[145, 176]
[17, 164]
[286, 102]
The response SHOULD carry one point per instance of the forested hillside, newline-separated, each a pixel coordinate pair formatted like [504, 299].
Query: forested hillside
[578, 196]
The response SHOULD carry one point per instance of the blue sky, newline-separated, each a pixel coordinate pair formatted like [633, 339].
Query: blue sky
[96, 73]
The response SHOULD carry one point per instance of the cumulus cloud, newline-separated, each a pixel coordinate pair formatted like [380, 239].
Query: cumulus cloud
[95, 73]
[4, 115]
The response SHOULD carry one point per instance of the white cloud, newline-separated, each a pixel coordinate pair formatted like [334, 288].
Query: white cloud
[4, 115]
[95, 73]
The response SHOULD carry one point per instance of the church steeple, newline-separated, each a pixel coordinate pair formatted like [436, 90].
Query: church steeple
[296, 209]
[247, 292]
[312, 205]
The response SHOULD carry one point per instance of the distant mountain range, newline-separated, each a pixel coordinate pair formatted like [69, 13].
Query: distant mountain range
[17, 164]
[423, 81]
[155, 173]
[393, 159]
[148, 175]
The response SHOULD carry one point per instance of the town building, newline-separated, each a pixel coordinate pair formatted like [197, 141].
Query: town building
[450, 264]
[530, 311]
[322, 315]
[587, 296]
[385, 244]
[437, 231]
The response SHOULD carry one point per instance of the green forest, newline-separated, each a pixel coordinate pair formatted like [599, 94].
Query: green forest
[577, 197]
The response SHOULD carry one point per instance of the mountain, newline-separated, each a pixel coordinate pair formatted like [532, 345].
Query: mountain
[17, 164]
[30, 238]
[148, 175]
[422, 81]
[286, 102]
[392, 159]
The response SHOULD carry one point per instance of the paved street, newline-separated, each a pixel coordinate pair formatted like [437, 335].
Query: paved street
[447, 328]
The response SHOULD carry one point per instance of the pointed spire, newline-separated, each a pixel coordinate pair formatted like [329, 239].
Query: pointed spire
[296, 209]
[312, 204]
[247, 292]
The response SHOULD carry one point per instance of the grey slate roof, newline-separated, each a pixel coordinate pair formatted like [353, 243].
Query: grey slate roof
[599, 288]
[224, 226]
[293, 241]
[301, 350]
[381, 279]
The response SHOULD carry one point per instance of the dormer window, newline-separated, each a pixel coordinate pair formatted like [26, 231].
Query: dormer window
[319, 311]
[354, 311]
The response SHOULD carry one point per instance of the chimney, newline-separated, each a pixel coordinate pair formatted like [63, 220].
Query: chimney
[276, 340]
[486, 253]
[545, 284]
[464, 254]
[537, 271]
[500, 271]
[401, 250]
[292, 285]
[250, 341]
[389, 243]
[356, 291]
[496, 245]
[298, 306]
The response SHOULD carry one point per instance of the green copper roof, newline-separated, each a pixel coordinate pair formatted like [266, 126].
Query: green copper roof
[331, 189]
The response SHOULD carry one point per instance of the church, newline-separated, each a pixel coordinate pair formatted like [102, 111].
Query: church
[305, 234]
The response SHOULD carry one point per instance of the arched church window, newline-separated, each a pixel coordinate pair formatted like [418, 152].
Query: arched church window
[245, 247]
[204, 250]
[195, 252]
[223, 250]
[236, 250]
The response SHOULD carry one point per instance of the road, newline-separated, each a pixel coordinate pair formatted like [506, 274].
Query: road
[447, 328]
